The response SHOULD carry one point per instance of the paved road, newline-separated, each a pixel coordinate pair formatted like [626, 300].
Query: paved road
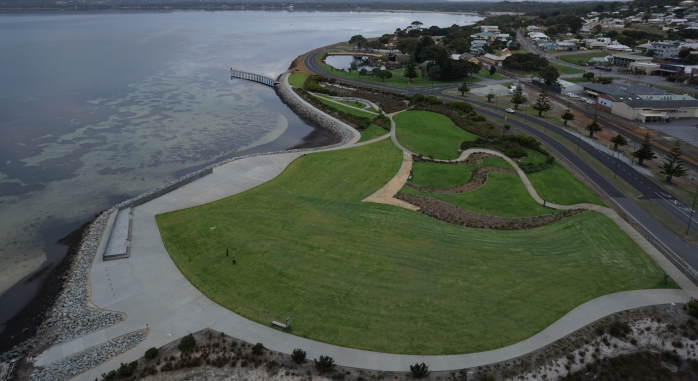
[681, 251]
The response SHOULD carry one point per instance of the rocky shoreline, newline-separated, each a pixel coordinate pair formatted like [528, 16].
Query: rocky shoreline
[88, 359]
[73, 316]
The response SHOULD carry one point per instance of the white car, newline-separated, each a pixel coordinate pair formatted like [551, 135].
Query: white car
[582, 99]
[572, 95]
[510, 110]
[591, 101]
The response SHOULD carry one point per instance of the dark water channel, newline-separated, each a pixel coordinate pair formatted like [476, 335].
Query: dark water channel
[97, 107]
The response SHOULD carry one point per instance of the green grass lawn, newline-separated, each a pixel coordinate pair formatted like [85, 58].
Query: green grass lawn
[561, 187]
[585, 57]
[348, 110]
[297, 79]
[386, 279]
[434, 175]
[503, 195]
[533, 157]
[429, 133]
[485, 73]
[566, 69]
[373, 131]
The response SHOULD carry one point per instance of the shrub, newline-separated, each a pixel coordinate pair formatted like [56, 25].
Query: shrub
[151, 353]
[420, 370]
[463, 107]
[298, 355]
[258, 349]
[619, 329]
[479, 118]
[418, 97]
[325, 364]
[605, 80]
[187, 342]
[333, 80]
[126, 370]
[693, 308]
[338, 376]
[109, 376]
[432, 100]
[333, 93]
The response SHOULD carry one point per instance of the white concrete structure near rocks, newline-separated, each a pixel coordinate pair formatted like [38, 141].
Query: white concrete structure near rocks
[150, 291]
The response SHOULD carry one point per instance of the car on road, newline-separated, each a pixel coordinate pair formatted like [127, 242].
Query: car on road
[510, 110]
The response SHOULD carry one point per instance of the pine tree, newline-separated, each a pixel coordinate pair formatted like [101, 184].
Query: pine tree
[542, 103]
[463, 89]
[673, 167]
[518, 97]
[594, 125]
[493, 70]
[619, 140]
[567, 116]
[490, 95]
[645, 151]
[411, 70]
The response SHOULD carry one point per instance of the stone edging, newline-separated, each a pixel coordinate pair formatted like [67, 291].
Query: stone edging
[89, 358]
[73, 315]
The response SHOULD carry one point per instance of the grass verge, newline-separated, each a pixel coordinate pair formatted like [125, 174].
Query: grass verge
[558, 186]
[373, 131]
[297, 79]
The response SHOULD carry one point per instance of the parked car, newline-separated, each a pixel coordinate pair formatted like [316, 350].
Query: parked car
[591, 101]
[582, 99]
[572, 95]
[510, 110]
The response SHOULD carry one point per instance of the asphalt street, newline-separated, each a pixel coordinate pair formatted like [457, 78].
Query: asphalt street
[681, 251]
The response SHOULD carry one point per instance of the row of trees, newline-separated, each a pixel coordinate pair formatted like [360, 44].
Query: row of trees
[672, 167]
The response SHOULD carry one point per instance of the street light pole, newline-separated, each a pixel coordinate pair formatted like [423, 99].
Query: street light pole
[579, 138]
[615, 172]
[692, 208]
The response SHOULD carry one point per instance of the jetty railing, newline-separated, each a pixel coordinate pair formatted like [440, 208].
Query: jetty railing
[253, 77]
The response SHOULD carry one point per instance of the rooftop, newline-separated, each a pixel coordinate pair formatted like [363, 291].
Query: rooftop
[624, 89]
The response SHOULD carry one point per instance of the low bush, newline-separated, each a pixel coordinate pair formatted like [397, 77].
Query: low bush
[432, 100]
[332, 92]
[693, 308]
[187, 342]
[126, 370]
[533, 168]
[479, 118]
[463, 107]
[298, 355]
[382, 121]
[325, 364]
[619, 329]
[420, 370]
[258, 349]
[418, 97]
[151, 353]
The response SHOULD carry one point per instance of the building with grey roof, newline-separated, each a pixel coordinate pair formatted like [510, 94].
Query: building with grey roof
[649, 108]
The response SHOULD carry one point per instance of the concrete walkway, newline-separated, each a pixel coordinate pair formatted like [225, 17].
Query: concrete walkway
[151, 291]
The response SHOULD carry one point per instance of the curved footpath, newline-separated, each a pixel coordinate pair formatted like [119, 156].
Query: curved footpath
[151, 291]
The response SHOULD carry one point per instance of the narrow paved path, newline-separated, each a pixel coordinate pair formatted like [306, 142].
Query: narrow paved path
[151, 291]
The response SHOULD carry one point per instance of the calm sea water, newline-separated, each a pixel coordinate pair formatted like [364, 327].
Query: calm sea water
[98, 107]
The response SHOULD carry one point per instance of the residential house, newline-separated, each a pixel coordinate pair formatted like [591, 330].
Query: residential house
[547, 45]
[489, 28]
[488, 36]
[470, 58]
[502, 36]
[538, 36]
[583, 31]
[567, 45]
[616, 47]
[646, 68]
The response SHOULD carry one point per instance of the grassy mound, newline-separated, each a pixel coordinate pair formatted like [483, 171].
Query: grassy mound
[428, 133]
[435, 176]
[383, 278]
[373, 131]
[503, 195]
